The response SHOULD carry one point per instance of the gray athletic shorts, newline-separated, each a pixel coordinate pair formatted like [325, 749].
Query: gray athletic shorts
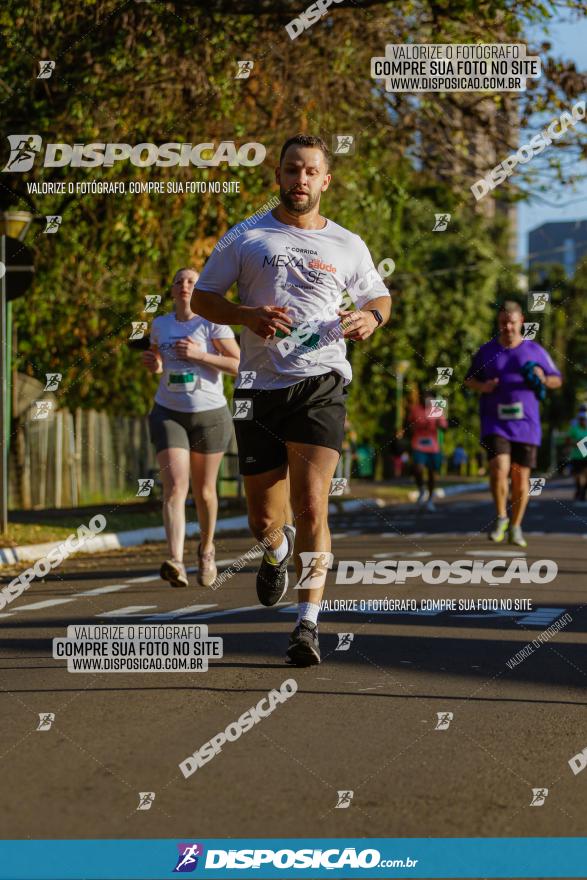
[208, 431]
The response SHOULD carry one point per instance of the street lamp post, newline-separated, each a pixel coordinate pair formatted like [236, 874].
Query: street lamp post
[13, 226]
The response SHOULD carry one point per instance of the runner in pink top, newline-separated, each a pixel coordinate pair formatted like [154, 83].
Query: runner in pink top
[423, 422]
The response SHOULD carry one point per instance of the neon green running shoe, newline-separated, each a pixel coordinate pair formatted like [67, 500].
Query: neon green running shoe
[500, 530]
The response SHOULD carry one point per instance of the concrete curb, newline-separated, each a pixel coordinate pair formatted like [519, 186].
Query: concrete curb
[136, 537]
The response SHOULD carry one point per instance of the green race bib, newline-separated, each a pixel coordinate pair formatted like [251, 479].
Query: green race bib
[181, 381]
[510, 411]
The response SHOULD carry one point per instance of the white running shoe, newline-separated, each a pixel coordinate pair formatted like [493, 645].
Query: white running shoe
[421, 496]
[431, 506]
[516, 537]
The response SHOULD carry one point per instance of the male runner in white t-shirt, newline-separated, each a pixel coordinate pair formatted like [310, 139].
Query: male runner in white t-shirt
[292, 267]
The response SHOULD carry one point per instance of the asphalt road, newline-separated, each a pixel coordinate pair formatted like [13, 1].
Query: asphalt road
[363, 721]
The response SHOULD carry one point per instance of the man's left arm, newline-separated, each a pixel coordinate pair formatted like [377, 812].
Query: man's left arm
[548, 373]
[370, 295]
[361, 323]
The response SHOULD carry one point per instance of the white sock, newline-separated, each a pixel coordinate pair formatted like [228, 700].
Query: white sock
[278, 554]
[308, 611]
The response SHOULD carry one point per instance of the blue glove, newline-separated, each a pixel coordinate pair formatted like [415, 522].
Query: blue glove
[532, 380]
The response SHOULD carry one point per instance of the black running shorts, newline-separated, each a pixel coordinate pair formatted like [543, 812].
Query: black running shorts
[523, 454]
[311, 411]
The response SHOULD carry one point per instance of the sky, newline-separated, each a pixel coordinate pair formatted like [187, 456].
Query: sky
[569, 41]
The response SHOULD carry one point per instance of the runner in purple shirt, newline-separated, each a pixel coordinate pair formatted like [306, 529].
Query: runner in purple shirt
[511, 374]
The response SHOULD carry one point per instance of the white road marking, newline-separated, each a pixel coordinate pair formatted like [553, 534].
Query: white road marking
[541, 616]
[492, 551]
[99, 591]
[403, 555]
[144, 580]
[240, 610]
[125, 612]
[48, 603]
[179, 612]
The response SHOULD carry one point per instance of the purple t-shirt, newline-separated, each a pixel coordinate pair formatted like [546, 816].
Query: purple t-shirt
[512, 409]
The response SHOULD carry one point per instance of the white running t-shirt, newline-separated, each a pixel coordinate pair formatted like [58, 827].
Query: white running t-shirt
[187, 386]
[306, 269]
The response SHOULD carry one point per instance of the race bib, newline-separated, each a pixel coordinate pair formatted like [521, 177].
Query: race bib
[181, 380]
[510, 411]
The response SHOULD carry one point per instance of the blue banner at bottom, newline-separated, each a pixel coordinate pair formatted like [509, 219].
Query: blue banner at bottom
[293, 858]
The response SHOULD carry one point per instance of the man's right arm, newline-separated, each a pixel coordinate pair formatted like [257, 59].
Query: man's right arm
[217, 308]
[265, 321]
[480, 385]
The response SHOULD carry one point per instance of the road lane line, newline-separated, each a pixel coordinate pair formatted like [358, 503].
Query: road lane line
[99, 591]
[48, 603]
[125, 612]
[240, 610]
[179, 612]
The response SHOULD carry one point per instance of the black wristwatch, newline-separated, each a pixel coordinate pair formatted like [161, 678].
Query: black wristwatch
[378, 316]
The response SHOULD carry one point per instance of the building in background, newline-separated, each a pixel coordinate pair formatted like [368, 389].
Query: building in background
[562, 243]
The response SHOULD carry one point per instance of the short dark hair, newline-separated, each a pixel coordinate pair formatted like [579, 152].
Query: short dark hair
[306, 140]
[510, 306]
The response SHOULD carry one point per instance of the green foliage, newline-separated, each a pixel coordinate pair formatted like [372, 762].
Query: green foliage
[146, 72]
